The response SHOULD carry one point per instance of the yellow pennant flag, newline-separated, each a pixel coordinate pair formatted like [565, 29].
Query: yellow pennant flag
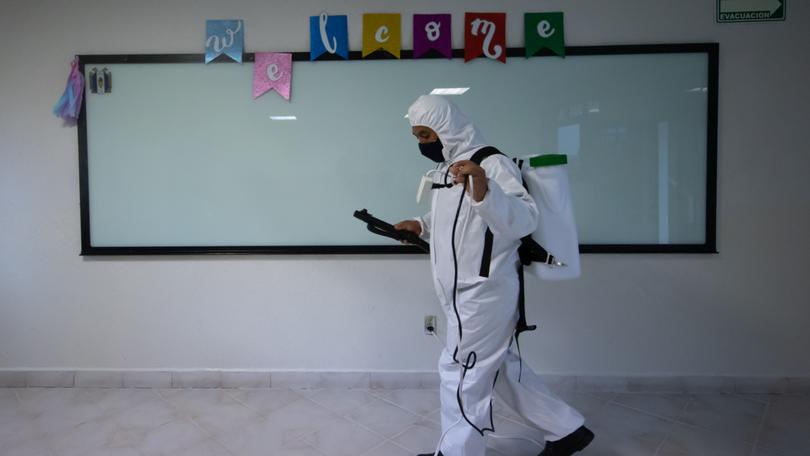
[382, 32]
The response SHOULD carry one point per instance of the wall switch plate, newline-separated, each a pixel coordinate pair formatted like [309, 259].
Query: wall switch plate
[430, 325]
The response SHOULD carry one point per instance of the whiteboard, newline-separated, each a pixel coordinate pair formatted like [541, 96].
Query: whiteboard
[179, 157]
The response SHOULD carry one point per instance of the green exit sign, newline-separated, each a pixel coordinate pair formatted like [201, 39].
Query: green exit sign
[750, 10]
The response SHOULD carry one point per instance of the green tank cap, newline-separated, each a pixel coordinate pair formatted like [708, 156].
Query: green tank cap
[548, 160]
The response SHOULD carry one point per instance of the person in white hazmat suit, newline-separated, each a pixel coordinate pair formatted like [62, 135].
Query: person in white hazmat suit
[481, 305]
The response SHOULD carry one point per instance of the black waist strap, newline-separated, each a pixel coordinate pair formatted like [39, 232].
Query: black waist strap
[530, 251]
[521, 324]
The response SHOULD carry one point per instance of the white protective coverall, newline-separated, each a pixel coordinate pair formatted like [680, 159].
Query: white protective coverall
[487, 306]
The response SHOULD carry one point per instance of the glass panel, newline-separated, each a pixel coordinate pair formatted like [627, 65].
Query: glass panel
[181, 154]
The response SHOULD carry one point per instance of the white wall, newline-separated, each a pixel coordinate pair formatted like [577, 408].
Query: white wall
[742, 312]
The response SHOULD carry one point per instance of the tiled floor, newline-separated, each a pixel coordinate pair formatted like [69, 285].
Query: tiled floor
[341, 422]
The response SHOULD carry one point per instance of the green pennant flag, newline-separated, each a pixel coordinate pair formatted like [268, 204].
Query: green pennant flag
[544, 30]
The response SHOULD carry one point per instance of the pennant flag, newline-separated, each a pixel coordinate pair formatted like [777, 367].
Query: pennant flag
[70, 103]
[544, 30]
[432, 32]
[224, 37]
[328, 34]
[485, 34]
[382, 32]
[272, 70]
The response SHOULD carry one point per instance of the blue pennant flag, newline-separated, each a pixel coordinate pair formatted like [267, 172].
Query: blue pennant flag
[328, 34]
[224, 37]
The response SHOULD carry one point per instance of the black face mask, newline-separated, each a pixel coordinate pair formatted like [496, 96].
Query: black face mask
[433, 150]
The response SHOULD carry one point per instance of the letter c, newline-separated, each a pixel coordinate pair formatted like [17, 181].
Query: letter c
[382, 34]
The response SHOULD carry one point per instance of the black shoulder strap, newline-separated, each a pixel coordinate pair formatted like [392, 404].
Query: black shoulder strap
[486, 256]
[521, 326]
[483, 153]
[477, 158]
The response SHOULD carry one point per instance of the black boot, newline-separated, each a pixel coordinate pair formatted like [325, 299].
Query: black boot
[569, 444]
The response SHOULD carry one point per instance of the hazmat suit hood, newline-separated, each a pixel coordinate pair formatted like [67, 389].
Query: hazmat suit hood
[459, 136]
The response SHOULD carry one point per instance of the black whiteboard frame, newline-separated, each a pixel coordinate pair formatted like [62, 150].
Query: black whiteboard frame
[712, 50]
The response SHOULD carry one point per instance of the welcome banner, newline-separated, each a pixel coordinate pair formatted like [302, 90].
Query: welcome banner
[484, 36]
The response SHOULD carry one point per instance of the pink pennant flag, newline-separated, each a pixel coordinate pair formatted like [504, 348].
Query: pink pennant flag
[272, 70]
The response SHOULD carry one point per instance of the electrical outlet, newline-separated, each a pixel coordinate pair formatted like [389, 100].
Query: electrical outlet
[430, 325]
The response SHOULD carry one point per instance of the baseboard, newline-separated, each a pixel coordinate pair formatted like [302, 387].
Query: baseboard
[386, 380]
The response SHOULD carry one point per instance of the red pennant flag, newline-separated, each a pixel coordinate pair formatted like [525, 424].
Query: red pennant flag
[485, 34]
